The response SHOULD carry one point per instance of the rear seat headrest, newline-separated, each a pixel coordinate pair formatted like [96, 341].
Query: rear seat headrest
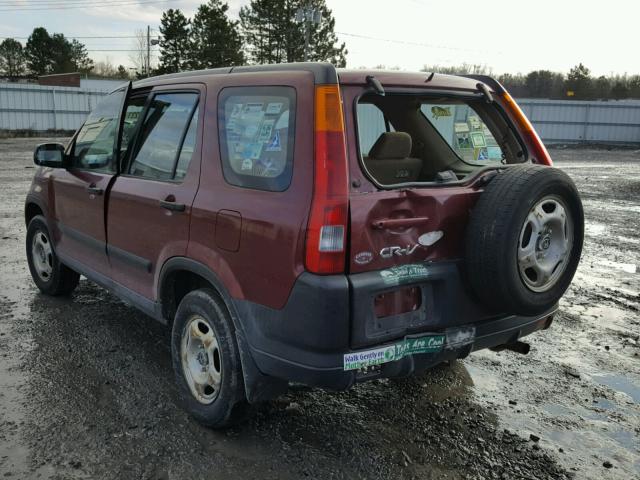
[391, 145]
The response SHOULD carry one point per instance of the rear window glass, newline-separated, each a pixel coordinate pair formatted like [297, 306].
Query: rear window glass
[465, 132]
[256, 130]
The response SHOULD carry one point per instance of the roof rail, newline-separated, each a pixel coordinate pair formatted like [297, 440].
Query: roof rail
[324, 73]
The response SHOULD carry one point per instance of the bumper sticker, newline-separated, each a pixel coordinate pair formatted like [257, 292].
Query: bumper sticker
[408, 346]
[404, 273]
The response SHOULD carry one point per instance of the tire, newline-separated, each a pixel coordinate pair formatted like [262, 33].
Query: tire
[219, 400]
[48, 273]
[526, 218]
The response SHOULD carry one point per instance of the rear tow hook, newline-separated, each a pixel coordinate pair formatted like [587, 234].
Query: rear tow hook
[518, 347]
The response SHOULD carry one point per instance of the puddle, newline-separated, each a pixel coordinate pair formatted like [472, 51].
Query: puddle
[619, 384]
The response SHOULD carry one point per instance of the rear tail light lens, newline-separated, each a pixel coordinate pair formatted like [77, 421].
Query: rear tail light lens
[540, 152]
[326, 231]
[331, 238]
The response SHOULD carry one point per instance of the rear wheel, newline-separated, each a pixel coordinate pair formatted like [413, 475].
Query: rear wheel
[49, 275]
[206, 360]
[524, 239]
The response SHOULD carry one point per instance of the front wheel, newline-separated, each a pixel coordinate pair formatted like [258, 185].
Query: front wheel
[49, 275]
[206, 360]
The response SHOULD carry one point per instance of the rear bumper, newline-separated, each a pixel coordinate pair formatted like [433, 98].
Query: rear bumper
[328, 317]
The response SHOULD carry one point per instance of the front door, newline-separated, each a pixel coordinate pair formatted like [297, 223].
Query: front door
[150, 201]
[80, 190]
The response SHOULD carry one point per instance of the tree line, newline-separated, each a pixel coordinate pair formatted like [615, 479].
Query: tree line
[578, 84]
[43, 54]
[267, 32]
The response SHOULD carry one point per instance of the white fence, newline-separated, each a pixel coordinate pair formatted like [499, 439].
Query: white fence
[39, 108]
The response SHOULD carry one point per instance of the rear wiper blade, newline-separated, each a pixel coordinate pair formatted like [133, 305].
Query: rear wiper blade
[374, 83]
[485, 92]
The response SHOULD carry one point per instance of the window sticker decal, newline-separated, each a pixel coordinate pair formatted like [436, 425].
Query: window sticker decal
[274, 108]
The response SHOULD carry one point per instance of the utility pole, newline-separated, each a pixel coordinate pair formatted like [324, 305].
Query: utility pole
[148, 51]
[308, 15]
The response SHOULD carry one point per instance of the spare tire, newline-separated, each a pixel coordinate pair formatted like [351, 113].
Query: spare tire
[524, 239]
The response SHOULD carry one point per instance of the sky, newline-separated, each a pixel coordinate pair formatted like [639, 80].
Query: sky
[505, 35]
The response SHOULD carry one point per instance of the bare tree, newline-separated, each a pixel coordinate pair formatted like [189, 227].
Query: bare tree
[138, 55]
[105, 68]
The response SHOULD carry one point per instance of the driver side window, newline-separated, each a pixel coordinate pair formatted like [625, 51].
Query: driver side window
[94, 146]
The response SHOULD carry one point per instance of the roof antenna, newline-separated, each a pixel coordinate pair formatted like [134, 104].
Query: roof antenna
[430, 77]
[374, 83]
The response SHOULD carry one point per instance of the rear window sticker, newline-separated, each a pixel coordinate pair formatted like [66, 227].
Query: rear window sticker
[236, 110]
[251, 130]
[254, 150]
[274, 143]
[478, 140]
[274, 108]
[252, 108]
[494, 153]
[247, 164]
[265, 131]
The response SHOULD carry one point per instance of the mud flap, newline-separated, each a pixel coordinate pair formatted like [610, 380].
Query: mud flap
[258, 387]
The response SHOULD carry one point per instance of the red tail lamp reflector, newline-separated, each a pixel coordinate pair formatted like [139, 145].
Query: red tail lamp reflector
[327, 228]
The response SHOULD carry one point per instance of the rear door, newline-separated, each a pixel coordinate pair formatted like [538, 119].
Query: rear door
[80, 191]
[150, 202]
[398, 224]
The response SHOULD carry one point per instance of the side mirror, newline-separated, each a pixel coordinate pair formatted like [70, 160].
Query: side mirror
[49, 155]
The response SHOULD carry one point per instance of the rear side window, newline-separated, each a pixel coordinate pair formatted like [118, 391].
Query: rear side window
[165, 127]
[256, 131]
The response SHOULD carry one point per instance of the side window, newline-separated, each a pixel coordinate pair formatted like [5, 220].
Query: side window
[160, 138]
[256, 131]
[95, 143]
[465, 132]
[371, 124]
[188, 147]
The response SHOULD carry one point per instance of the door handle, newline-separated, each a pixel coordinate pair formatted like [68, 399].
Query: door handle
[173, 206]
[398, 222]
[94, 190]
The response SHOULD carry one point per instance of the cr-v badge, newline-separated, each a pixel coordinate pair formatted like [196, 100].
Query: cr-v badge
[425, 240]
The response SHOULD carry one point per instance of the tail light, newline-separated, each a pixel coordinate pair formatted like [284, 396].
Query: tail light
[327, 228]
[540, 152]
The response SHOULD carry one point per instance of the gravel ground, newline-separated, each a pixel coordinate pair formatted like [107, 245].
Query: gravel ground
[86, 387]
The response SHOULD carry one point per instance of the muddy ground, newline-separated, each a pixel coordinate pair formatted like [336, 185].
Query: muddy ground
[86, 387]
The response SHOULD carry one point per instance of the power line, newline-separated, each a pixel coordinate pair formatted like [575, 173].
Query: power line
[407, 42]
[92, 5]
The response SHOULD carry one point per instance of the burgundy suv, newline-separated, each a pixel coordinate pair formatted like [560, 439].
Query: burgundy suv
[298, 223]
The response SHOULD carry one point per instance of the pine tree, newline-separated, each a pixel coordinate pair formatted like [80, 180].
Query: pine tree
[175, 45]
[273, 35]
[216, 39]
[38, 51]
[11, 58]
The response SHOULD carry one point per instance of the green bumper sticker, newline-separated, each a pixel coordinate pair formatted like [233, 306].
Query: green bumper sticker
[408, 346]
[404, 273]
